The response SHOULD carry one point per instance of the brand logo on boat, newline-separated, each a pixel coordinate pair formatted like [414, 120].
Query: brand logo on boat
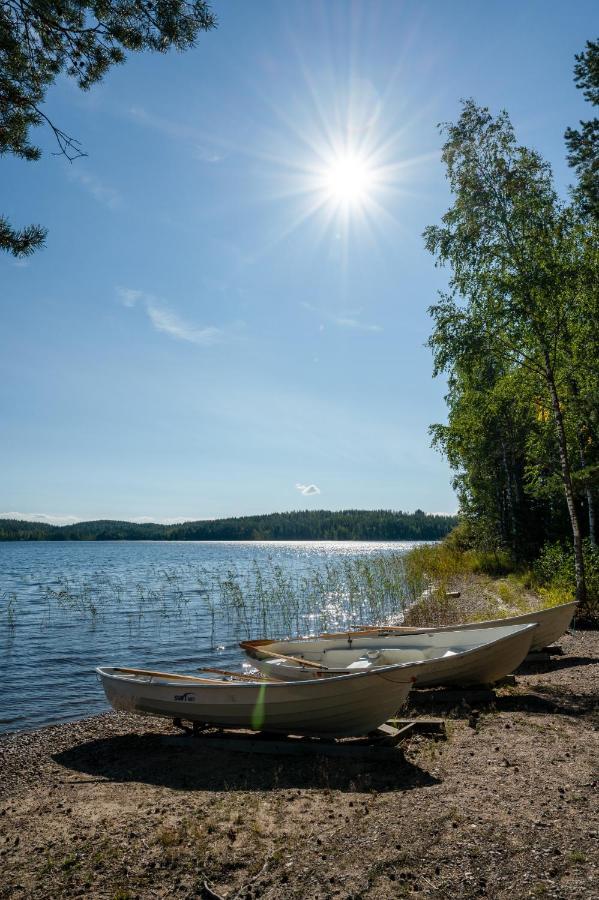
[186, 697]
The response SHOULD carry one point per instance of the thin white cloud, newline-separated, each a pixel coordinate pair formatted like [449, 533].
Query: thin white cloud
[348, 319]
[43, 518]
[205, 152]
[348, 322]
[207, 155]
[103, 193]
[308, 490]
[46, 519]
[153, 520]
[128, 296]
[170, 323]
[167, 321]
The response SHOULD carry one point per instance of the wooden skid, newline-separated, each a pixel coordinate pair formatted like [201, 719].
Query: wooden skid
[407, 727]
[286, 747]
[380, 745]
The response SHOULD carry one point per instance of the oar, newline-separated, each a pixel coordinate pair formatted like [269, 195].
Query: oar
[411, 629]
[241, 675]
[172, 676]
[293, 659]
[370, 629]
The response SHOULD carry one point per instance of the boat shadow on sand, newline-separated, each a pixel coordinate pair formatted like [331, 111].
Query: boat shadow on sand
[555, 664]
[153, 759]
[542, 699]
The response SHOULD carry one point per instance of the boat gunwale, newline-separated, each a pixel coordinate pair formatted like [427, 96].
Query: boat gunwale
[461, 626]
[105, 672]
[521, 629]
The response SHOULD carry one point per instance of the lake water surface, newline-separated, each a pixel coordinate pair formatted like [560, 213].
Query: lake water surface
[67, 607]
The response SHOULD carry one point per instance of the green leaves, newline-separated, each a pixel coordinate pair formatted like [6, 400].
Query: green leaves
[583, 144]
[510, 335]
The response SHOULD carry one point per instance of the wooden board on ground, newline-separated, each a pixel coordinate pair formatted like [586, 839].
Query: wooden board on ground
[380, 745]
[285, 747]
[407, 727]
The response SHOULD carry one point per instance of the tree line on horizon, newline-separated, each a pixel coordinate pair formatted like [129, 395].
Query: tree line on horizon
[517, 336]
[314, 525]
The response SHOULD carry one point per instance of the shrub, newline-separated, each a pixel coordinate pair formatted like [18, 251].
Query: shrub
[554, 570]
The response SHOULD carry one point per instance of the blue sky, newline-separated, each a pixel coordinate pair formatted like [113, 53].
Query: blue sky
[212, 329]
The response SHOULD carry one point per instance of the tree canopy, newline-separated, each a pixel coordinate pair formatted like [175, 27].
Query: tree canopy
[513, 335]
[40, 39]
[322, 525]
[583, 143]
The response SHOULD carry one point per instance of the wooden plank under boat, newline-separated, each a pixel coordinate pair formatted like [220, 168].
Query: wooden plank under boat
[552, 621]
[434, 658]
[347, 705]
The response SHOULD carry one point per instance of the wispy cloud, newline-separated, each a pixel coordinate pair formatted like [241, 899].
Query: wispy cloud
[347, 319]
[207, 155]
[128, 296]
[348, 322]
[308, 490]
[205, 152]
[103, 193]
[167, 321]
[170, 323]
[153, 520]
[43, 518]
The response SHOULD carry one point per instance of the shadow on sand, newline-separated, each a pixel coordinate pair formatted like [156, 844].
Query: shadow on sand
[555, 664]
[151, 759]
[543, 699]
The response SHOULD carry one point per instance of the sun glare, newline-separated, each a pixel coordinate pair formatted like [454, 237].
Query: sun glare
[348, 180]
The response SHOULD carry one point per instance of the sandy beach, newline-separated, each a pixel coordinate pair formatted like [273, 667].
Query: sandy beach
[506, 806]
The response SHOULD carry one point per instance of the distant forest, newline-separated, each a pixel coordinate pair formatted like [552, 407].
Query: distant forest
[314, 525]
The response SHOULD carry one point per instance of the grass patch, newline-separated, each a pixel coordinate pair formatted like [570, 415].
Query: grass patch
[449, 586]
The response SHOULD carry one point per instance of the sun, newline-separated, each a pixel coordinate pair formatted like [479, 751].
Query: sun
[348, 180]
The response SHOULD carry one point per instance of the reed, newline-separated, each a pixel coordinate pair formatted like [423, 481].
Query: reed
[264, 599]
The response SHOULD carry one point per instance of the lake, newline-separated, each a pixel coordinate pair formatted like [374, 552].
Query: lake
[67, 607]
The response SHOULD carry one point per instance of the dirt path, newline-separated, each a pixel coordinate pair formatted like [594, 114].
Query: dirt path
[506, 807]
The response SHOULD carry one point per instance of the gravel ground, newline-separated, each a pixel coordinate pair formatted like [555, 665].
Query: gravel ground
[507, 806]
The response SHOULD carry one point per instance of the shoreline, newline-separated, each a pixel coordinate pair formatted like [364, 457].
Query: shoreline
[102, 807]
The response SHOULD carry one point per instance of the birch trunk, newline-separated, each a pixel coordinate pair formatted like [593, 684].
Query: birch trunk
[581, 590]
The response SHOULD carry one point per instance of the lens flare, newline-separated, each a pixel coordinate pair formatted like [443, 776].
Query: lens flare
[348, 180]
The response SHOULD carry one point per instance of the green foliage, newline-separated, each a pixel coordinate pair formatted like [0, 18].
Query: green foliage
[312, 525]
[42, 39]
[583, 144]
[554, 571]
[515, 335]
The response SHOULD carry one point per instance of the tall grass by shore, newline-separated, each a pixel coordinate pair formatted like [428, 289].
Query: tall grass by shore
[433, 584]
[264, 599]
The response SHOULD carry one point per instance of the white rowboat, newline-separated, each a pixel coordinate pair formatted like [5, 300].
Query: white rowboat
[350, 705]
[552, 622]
[434, 658]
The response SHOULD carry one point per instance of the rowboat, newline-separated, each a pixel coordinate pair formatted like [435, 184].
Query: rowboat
[347, 705]
[552, 622]
[433, 658]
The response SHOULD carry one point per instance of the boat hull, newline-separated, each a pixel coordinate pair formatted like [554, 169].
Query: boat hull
[552, 622]
[337, 707]
[434, 659]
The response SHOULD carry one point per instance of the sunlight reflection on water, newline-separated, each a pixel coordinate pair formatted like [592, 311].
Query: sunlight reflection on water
[70, 606]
